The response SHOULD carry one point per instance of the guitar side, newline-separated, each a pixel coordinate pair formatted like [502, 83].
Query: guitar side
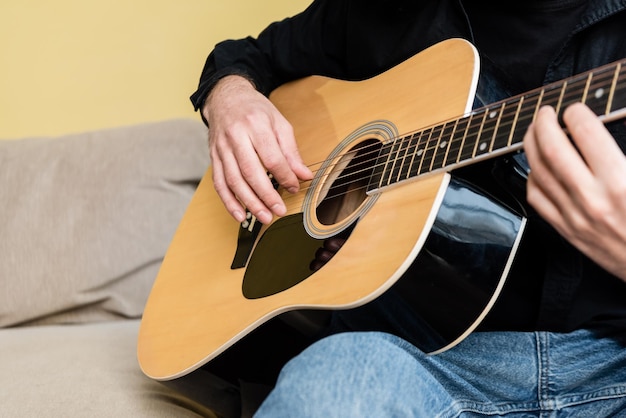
[197, 310]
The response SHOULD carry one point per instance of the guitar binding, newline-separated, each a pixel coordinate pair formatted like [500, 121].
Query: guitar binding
[338, 196]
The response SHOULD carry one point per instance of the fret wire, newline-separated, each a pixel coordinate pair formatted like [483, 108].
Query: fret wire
[425, 151]
[461, 127]
[480, 129]
[597, 100]
[464, 139]
[441, 162]
[619, 100]
[379, 170]
[445, 157]
[436, 147]
[497, 126]
[432, 150]
[397, 145]
[393, 158]
[416, 139]
[488, 120]
[506, 124]
[530, 105]
[490, 124]
[419, 152]
[557, 108]
[538, 105]
[574, 92]
[586, 90]
[417, 144]
[469, 131]
[514, 123]
[373, 178]
[397, 168]
[551, 97]
[613, 85]
[571, 93]
[410, 151]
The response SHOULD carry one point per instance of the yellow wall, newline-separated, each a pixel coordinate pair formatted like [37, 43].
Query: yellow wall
[76, 65]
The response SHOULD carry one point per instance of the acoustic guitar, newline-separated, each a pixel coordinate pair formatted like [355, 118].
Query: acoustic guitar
[388, 155]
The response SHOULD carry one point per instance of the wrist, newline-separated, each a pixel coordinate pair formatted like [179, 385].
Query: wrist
[230, 84]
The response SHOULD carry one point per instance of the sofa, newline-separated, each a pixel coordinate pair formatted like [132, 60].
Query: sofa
[85, 220]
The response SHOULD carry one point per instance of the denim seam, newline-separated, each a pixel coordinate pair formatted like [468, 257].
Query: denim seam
[462, 406]
[543, 368]
[613, 392]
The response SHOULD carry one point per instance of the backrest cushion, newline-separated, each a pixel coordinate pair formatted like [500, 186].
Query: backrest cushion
[85, 219]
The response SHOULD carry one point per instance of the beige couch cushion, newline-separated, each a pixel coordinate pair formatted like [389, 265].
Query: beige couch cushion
[87, 370]
[85, 219]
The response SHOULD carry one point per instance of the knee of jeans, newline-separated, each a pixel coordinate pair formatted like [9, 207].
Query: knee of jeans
[354, 356]
[352, 374]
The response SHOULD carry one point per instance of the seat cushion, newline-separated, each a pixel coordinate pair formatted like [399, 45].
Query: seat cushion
[85, 370]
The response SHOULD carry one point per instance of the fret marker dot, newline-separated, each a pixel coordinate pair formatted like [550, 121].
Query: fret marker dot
[443, 144]
[492, 114]
[420, 152]
[482, 146]
[599, 93]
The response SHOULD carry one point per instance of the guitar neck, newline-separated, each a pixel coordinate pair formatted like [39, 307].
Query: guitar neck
[496, 129]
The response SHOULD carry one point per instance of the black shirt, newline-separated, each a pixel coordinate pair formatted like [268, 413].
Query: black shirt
[521, 38]
[552, 286]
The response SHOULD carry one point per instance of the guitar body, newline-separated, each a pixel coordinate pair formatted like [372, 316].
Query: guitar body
[438, 244]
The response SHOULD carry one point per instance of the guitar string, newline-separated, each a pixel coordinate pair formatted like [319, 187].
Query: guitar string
[411, 136]
[375, 148]
[288, 198]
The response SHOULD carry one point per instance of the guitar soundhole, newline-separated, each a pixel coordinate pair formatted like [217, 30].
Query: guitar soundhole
[347, 186]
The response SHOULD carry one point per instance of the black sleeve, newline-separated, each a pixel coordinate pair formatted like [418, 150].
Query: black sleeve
[312, 42]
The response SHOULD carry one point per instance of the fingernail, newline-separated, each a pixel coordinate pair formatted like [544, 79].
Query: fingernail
[278, 209]
[238, 216]
[264, 216]
[292, 190]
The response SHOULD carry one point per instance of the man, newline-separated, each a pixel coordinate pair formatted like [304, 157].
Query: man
[552, 346]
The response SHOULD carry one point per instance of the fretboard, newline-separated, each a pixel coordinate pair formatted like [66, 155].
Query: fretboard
[496, 129]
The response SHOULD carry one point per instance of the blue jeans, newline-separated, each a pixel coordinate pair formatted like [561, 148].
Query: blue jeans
[512, 374]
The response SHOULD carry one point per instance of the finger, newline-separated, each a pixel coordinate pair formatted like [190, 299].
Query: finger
[245, 175]
[272, 155]
[260, 194]
[546, 144]
[559, 183]
[231, 186]
[334, 244]
[289, 147]
[544, 205]
[248, 181]
[232, 205]
[316, 265]
[557, 150]
[323, 255]
[595, 143]
[257, 152]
